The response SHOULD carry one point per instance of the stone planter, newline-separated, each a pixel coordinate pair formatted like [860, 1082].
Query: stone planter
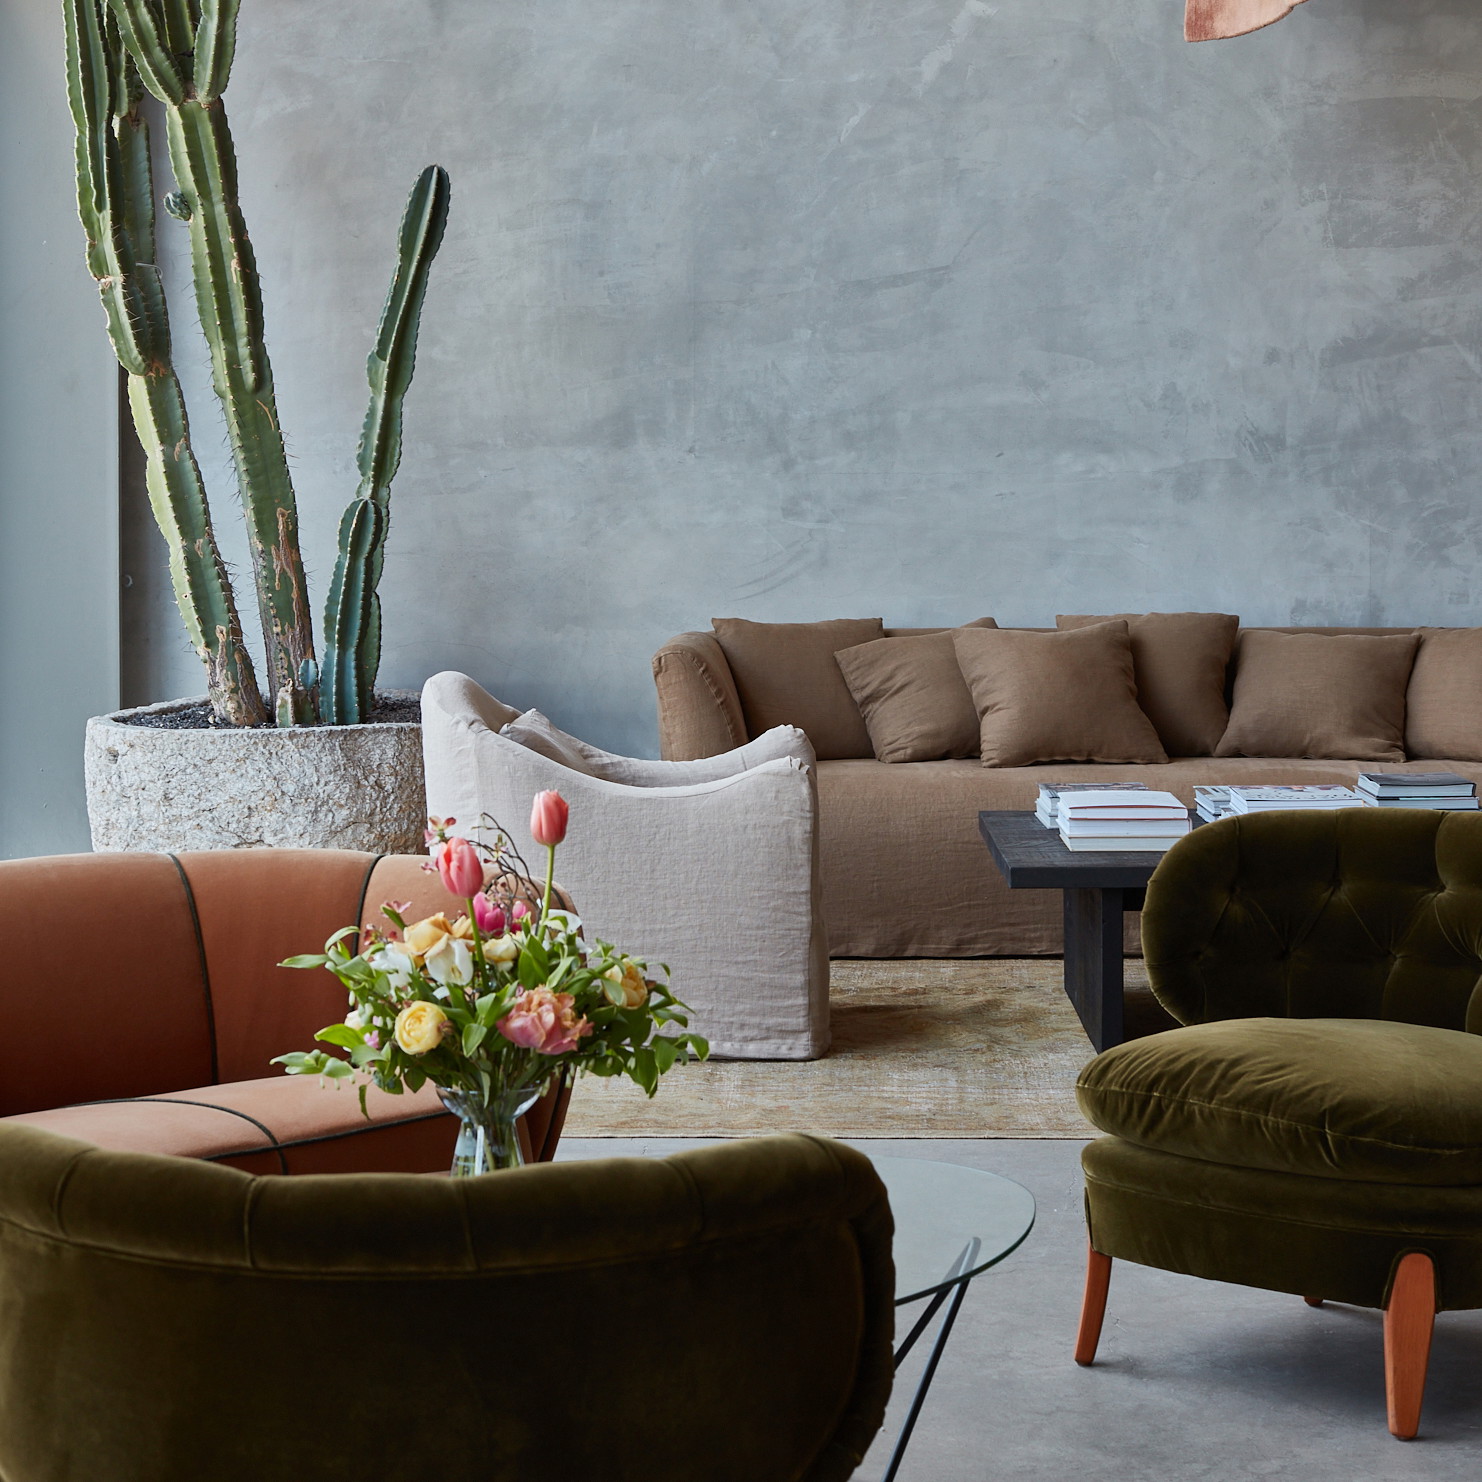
[307, 787]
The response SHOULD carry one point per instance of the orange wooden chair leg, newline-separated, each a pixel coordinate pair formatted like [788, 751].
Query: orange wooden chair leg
[1408, 1320]
[1093, 1305]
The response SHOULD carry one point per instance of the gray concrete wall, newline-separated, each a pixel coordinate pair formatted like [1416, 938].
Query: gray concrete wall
[58, 446]
[805, 308]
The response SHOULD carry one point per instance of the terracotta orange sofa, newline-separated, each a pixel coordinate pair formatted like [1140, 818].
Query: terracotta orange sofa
[143, 1004]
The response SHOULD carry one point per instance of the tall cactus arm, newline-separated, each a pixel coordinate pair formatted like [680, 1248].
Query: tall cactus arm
[215, 46]
[144, 32]
[230, 309]
[392, 361]
[115, 202]
[352, 619]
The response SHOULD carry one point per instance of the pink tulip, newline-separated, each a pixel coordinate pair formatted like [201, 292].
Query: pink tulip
[518, 912]
[461, 868]
[489, 918]
[543, 1021]
[548, 819]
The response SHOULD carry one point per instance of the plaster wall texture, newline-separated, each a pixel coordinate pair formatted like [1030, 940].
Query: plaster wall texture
[59, 501]
[806, 308]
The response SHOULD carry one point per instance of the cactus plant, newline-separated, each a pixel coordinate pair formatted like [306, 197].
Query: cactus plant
[181, 53]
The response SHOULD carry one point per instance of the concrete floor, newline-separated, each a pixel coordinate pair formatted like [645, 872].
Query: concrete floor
[1195, 1381]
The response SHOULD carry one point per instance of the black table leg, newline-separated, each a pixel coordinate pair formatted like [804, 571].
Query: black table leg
[953, 1294]
[1093, 962]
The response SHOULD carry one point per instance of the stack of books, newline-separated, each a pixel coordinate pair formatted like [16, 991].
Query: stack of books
[1047, 809]
[1303, 795]
[1212, 802]
[1121, 819]
[1443, 790]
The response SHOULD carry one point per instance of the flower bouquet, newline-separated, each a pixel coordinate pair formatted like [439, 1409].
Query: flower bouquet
[493, 1004]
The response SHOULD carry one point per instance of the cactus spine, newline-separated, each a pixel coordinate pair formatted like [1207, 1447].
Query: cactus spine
[115, 197]
[352, 618]
[181, 51]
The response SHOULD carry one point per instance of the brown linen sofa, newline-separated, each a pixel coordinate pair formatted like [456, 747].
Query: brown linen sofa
[144, 1003]
[905, 873]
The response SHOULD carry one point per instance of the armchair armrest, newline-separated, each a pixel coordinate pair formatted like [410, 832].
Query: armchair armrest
[699, 710]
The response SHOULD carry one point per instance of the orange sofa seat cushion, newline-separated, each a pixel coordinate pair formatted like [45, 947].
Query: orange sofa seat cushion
[281, 1124]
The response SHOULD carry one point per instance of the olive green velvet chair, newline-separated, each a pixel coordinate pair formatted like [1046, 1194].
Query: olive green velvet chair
[1317, 1126]
[724, 1314]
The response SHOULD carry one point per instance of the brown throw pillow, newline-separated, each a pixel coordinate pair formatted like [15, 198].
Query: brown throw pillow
[1320, 695]
[1055, 697]
[1443, 706]
[1179, 660]
[786, 676]
[916, 705]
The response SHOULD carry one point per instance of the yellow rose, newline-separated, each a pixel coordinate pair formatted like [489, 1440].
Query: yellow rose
[422, 935]
[419, 1028]
[463, 929]
[500, 949]
[634, 986]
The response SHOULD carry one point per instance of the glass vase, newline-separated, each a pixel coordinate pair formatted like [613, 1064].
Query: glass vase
[488, 1129]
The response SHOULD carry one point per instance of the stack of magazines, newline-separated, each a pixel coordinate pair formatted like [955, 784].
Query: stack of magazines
[1047, 807]
[1121, 819]
[1302, 795]
[1442, 790]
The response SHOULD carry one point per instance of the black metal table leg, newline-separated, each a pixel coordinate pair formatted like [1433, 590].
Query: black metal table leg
[1093, 961]
[952, 1294]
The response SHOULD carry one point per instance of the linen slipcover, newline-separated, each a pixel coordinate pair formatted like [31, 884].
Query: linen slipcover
[709, 865]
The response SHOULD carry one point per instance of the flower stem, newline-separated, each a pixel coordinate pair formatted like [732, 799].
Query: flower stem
[550, 875]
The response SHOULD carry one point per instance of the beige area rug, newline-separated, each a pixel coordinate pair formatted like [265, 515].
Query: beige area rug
[983, 1048]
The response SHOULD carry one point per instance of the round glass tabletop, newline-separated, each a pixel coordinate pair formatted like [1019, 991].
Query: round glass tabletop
[940, 1209]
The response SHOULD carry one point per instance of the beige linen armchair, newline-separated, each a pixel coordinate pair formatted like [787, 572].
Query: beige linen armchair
[710, 866]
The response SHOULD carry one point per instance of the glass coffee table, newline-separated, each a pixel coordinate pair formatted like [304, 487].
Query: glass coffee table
[951, 1224]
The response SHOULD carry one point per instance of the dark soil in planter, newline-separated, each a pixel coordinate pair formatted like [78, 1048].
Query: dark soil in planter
[389, 710]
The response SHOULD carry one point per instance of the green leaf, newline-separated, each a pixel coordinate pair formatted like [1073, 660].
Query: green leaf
[473, 1037]
[306, 959]
[342, 1035]
[665, 1053]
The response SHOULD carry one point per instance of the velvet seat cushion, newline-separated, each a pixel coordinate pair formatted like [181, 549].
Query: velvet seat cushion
[1353, 1099]
[281, 1124]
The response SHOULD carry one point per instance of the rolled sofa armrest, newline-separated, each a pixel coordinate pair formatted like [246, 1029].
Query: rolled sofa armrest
[699, 709]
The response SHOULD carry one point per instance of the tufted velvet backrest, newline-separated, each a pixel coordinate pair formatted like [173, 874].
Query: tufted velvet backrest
[548, 1310]
[1361, 913]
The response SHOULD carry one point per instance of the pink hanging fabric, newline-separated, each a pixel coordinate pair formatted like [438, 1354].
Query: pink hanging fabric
[1214, 20]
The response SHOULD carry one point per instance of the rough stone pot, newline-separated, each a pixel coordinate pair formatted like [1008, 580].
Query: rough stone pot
[307, 787]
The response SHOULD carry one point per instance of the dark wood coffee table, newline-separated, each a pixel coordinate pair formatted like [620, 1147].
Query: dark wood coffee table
[1099, 888]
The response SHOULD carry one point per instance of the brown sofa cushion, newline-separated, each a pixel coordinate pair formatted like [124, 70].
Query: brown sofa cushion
[786, 676]
[1045, 697]
[1319, 695]
[915, 703]
[1443, 705]
[1179, 660]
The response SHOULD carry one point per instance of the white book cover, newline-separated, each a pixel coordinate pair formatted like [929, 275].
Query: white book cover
[1119, 797]
[1126, 828]
[1150, 845]
[1298, 795]
[1430, 784]
[1439, 805]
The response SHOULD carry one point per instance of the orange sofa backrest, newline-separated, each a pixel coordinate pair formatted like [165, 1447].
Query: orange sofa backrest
[136, 974]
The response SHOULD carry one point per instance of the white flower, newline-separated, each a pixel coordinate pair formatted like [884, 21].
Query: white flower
[358, 1018]
[450, 961]
[394, 960]
[500, 949]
